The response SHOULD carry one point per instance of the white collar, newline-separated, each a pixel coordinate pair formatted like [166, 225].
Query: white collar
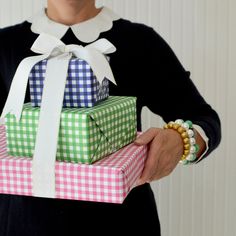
[86, 31]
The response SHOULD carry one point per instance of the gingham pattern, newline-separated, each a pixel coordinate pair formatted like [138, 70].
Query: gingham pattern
[82, 88]
[107, 180]
[86, 134]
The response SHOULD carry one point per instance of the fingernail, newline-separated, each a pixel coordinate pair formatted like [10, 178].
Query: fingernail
[138, 141]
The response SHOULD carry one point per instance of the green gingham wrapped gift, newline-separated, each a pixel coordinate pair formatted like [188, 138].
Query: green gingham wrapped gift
[85, 135]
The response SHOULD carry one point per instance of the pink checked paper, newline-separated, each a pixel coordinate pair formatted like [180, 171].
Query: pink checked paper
[108, 180]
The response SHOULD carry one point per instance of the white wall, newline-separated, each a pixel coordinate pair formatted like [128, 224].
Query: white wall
[197, 200]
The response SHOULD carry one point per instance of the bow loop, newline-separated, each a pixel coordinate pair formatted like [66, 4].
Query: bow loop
[103, 45]
[45, 44]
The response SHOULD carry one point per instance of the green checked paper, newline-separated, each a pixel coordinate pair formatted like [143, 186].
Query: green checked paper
[86, 134]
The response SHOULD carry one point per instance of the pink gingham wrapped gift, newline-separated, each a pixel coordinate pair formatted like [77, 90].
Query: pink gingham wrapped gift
[108, 180]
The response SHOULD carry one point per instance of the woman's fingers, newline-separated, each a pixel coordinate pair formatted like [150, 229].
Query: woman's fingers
[147, 136]
[165, 150]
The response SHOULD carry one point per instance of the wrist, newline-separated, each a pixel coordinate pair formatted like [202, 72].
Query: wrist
[176, 141]
[189, 143]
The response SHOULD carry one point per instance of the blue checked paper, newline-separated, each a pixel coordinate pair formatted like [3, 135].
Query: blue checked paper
[82, 88]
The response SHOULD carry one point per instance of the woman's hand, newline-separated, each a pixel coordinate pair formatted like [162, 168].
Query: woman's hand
[165, 150]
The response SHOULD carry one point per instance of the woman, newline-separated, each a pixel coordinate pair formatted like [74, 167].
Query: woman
[144, 66]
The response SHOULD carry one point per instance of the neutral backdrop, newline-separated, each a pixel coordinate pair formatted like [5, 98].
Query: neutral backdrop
[197, 200]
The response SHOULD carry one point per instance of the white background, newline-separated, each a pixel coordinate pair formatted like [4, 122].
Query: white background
[199, 200]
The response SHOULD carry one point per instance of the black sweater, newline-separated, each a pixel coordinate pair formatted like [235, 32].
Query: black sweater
[144, 66]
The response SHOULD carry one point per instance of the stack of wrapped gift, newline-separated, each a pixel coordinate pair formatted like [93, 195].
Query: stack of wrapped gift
[95, 157]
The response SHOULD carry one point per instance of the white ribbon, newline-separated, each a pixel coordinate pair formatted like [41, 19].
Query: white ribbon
[58, 55]
[51, 47]
[43, 166]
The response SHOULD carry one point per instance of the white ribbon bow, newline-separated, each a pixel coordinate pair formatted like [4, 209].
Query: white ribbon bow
[58, 55]
[51, 47]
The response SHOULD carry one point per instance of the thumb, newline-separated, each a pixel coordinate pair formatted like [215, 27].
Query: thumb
[147, 136]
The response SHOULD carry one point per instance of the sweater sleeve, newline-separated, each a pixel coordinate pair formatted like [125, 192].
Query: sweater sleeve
[176, 96]
[3, 90]
[3, 94]
[12, 51]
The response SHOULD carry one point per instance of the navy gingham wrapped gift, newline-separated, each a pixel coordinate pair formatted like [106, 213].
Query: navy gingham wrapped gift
[82, 87]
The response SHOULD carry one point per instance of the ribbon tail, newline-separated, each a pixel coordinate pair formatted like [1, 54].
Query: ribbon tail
[100, 66]
[16, 95]
[48, 127]
[2, 121]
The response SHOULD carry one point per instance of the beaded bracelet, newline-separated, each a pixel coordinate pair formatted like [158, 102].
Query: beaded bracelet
[185, 129]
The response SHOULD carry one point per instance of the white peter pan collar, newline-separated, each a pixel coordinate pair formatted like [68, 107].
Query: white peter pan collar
[86, 31]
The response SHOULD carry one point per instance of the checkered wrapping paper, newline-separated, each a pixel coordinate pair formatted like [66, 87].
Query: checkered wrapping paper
[86, 134]
[108, 180]
[82, 88]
